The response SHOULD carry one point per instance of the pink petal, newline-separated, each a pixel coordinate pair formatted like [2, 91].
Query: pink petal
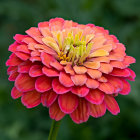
[95, 96]
[31, 99]
[105, 68]
[24, 67]
[112, 105]
[91, 83]
[68, 102]
[94, 73]
[11, 69]
[46, 59]
[50, 72]
[79, 80]
[126, 87]
[55, 112]
[22, 56]
[68, 69]
[19, 37]
[81, 91]
[23, 48]
[13, 47]
[107, 88]
[25, 83]
[59, 88]
[35, 71]
[97, 110]
[129, 60]
[56, 65]
[132, 75]
[65, 79]
[15, 93]
[81, 114]
[28, 40]
[48, 98]
[13, 76]
[13, 60]
[120, 72]
[43, 84]
[80, 69]
[35, 58]
[118, 64]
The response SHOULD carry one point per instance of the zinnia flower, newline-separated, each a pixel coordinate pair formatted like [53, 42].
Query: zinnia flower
[70, 68]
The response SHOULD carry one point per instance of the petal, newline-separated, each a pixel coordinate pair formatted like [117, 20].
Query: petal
[55, 112]
[129, 60]
[43, 84]
[23, 48]
[13, 60]
[46, 59]
[105, 68]
[99, 53]
[68, 69]
[13, 47]
[68, 102]
[35, 58]
[19, 37]
[92, 65]
[81, 91]
[95, 96]
[107, 88]
[31, 99]
[50, 72]
[112, 105]
[132, 75]
[59, 88]
[25, 83]
[100, 59]
[22, 56]
[97, 110]
[79, 80]
[80, 69]
[13, 76]
[15, 93]
[120, 72]
[48, 98]
[65, 80]
[35, 71]
[81, 114]
[11, 69]
[102, 79]
[117, 64]
[24, 67]
[91, 83]
[28, 40]
[126, 87]
[56, 65]
[94, 73]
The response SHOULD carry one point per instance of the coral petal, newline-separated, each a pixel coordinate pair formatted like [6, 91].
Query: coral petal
[68, 102]
[43, 84]
[24, 67]
[105, 68]
[19, 37]
[35, 71]
[120, 72]
[129, 60]
[13, 76]
[94, 73]
[15, 93]
[81, 114]
[132, 75]
[106, 87]
[56, 65]
[23, 48]
[112, 105]
[79, 69]
[68, 69]
[22, 56]
[31, 99]
[92, 65]
[91, 83]
[13, 47]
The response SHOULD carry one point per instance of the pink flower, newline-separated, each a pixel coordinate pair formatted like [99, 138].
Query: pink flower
[70, 68]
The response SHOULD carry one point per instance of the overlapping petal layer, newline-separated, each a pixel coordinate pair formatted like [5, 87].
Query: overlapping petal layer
[70, 68]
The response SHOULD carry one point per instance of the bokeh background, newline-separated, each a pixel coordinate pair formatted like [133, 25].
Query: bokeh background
[121, 17]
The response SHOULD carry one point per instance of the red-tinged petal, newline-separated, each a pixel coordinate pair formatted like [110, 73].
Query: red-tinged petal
[24, 67]
[81, 114]
[68, 102]
[105, 68]
[13, 76]
[23, 48]
[97, 110]
[43, 84]
[22, 56]
[102, 79]
[31, 99]
[80, 69]
[56, 65]
[13, 47]
[59, 88]
[55, 112]
[132, 75]
[81, 91]
[19, 37]
[112, 105]
[50, 72]
[126, 87]
[95, 96]
[118, 64]
[91, 83]
[129, 60]
[65, 79]
[79, 80]
[15, 93]
[43, 24]
[94, 73]
[28, 40]
[106, 87]
[56, 24]
[48, 98]
[46, 59]
[116, 83]
[35, 58]
[120, 72]
[25, 83]
[11, 69]
[35, 71]
[13, 60]
[68, 69]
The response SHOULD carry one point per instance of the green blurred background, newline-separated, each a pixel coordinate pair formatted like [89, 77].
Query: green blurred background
[120, 17]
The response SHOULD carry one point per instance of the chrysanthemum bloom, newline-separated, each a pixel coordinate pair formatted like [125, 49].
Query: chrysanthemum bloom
[70, 68]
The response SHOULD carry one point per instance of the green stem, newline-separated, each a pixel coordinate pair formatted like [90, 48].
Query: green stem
[54, 130]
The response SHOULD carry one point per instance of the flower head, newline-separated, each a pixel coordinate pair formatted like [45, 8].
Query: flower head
[70, 68]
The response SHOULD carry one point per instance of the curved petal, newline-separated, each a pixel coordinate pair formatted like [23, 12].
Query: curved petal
[120, 72]
[56, 65]
[24, 67]
[94, 73]
[35, 71]
[105, 68]
[13, 76]
[80, 69]
[15, 93]
[22, 56]
[91, 83]
[107, 88]
[68, 69]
